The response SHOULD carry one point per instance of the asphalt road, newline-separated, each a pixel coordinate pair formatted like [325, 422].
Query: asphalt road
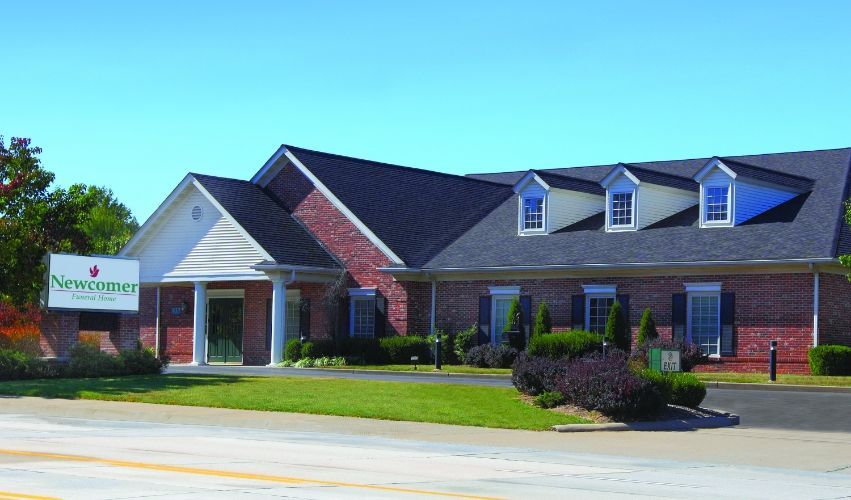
[97, 449]
[767, 409]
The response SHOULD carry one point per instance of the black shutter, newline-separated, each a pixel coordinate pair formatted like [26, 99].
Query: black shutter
[268, 324]
[624, 301]
[678, 316]
[380, 316]
[577, 312]
[526, 306]
[484, 319]
[304, 318]
[343, 318]
[728, 308]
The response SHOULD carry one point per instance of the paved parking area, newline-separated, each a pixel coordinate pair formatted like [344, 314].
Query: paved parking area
[94, 449]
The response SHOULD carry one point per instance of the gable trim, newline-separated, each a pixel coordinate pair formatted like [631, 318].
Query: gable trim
[146, 227]
[372, 237]
[530, 176]
[618, 170]
[713, 163]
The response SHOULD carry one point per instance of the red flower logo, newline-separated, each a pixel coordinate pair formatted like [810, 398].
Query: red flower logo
[93, 271]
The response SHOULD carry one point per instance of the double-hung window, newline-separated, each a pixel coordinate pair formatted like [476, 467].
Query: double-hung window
[597, 309]
[704, 321]
[362, 312]
[716, 206]
[621, 210]
[501, 297]
[533, 214]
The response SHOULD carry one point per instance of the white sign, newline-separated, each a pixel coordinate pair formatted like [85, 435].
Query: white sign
[79, 282]
[670, 361]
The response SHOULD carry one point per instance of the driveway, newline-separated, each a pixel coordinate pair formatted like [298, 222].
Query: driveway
[766, 409]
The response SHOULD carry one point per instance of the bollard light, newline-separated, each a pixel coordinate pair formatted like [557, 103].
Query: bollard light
[772, 360]
[437, 363]
[605, 344]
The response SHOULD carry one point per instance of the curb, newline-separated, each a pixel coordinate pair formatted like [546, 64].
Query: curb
[776, 387]
[723, 420]
[482, 376]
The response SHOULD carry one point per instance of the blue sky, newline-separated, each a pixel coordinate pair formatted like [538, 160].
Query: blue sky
[133, 95]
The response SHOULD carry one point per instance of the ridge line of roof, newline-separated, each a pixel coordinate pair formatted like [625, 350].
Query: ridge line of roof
[393, 165]
[763, 169]
[846, 191]
[577, 179]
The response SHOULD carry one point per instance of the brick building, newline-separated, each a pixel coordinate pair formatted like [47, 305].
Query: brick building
[727, 252]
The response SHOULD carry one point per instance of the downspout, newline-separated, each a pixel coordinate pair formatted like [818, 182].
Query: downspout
[157, 327]
[816, 280]
[432, 328]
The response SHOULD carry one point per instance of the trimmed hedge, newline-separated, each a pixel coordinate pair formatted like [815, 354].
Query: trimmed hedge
[535, 375]
[569, 345]
[607, 385]
[491, 356]
[681, 389]
[86, 360]
[830, 360]
[398, 350]
[17, 365]
[365, 351]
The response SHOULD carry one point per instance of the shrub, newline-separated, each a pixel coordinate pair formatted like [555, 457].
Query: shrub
[90, 338]
[19, 329]
[535, 375]
[447, 348]
[141, 361]
[549, 399]
[606, 385]
[292, 350]
[682, 389]
[365, 351]
[514, 325]
[17, 365]
[87, 361]
[647, 328]
[543, 321]
[398, 350]
[304, 363]
[617, 327]
[690, 354]
[491, 356]
[323, 348]
[830, 360]
[329, 361]
[464, 341]
[572, 344]
[307, 350]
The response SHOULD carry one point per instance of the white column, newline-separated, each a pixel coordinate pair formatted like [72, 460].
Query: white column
[815, 307]
[199, 337]
[433, 306]
[279, 300]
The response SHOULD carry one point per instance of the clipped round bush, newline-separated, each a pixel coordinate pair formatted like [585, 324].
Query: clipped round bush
[292, 350]
[569, 345]
[398, 350]
[141, 361]
[535, 375]
[491, 356]
[308, 350]
[830, 360]
[549, 399]
[681, 389]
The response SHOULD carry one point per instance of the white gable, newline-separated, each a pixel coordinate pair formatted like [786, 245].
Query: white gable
[180, 247]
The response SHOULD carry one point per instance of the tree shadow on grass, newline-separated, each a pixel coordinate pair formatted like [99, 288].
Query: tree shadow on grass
[74, 388]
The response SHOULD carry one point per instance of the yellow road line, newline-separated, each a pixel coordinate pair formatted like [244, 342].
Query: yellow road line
[231, 474]
[10, 495]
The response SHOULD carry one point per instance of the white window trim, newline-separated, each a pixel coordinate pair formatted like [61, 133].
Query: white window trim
[595, 295]
[521, 226]
[706, 293]
[356, 294]
[729, 222]
[621, 227]
[600, 289]
[703, 287]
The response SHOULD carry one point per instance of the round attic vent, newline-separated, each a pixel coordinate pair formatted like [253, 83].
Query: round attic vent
[197, 212]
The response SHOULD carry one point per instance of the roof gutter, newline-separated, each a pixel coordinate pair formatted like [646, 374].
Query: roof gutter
[287, 267]
[583, 267]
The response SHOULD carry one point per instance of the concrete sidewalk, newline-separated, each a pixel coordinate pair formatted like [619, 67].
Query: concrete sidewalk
[811, 451]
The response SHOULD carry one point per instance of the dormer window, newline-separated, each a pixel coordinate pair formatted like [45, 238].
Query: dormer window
[621, 209]
[717, 204]
[533, 214]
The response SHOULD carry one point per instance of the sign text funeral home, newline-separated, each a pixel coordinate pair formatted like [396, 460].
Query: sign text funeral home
[79, 282]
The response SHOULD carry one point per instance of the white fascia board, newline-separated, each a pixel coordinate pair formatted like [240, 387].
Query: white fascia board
[203, 278]
[342, 208]
[713, 163]
[600, 289]
[265, 174]
[126, 250]
[703, 287]
[526, 179]
[262, 251]
[617, 171]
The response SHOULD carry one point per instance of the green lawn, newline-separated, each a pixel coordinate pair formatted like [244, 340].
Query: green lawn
[762, 378]
[428, 368]
[438, 403]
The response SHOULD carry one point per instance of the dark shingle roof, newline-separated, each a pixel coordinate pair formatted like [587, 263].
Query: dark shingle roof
[566, 182]
[805, 227]
[415, 212]
[271, 226]
[662, 178]
[770, 176]
[843, 243]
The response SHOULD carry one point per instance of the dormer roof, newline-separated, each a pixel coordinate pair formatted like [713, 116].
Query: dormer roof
[550, 180]
[738, 169]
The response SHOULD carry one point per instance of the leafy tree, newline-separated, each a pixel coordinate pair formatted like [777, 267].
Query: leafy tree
[846, 259]
[514, 323]
[647, 328]
[109, 224]
[617, 328]
[543, 321]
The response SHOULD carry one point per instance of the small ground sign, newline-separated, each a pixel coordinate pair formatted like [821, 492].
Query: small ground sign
[664, 360]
